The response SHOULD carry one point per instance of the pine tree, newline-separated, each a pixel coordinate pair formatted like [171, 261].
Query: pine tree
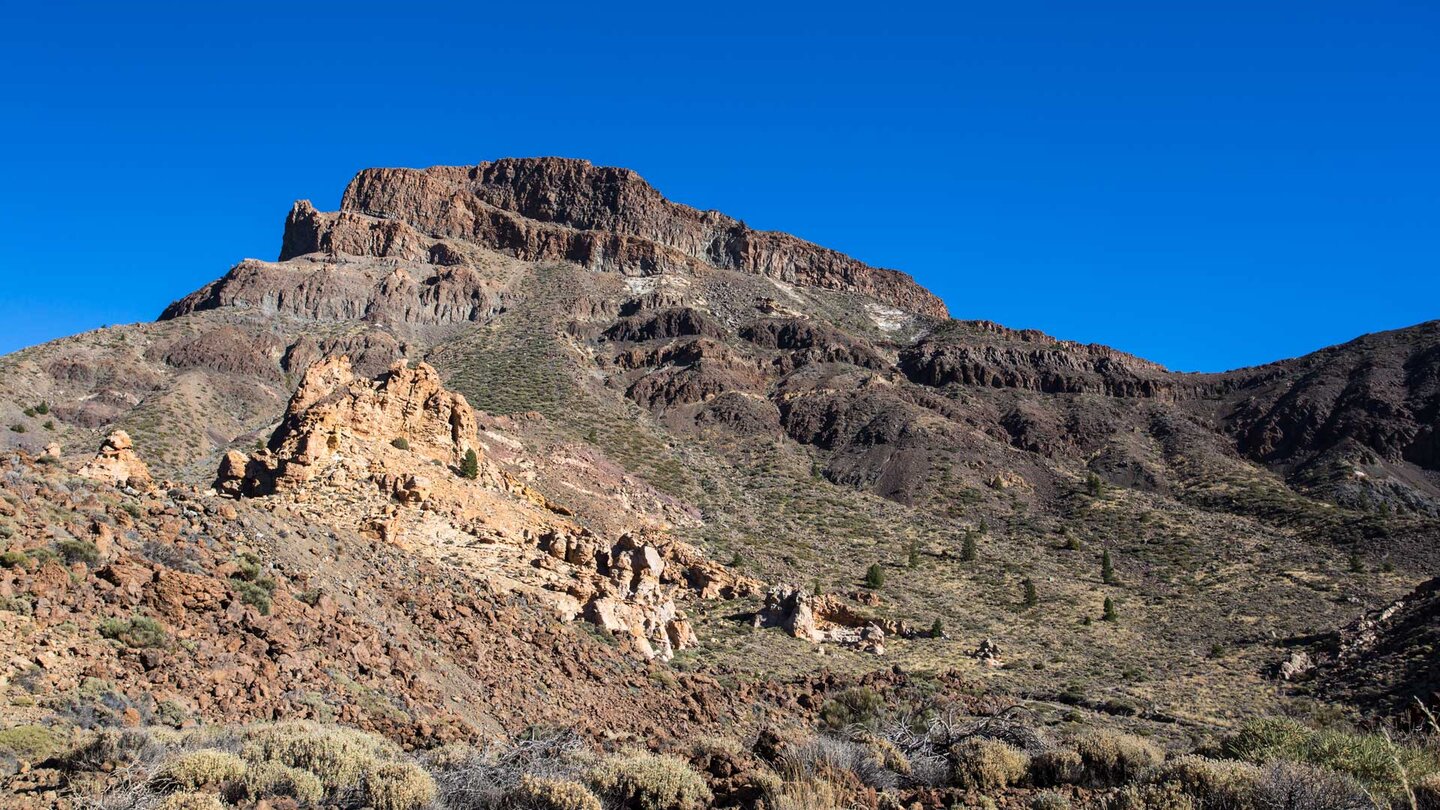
[818, 589]
[470, 467]
[874, 576]
[912, 555]
[967, 547]
[1107, 569]
[1111, 614]
[1093, 485]
[1357, 565]
[937, 629]
[1032, 597]
[984, 526]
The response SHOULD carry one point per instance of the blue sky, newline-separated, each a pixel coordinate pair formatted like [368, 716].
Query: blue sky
[1208, 185]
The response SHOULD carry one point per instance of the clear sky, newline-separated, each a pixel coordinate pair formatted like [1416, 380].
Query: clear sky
[1208, 185]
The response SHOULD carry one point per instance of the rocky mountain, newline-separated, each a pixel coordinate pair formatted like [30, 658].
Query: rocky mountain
[530, 416]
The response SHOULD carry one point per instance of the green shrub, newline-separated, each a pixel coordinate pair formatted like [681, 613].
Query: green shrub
[198, 769]
[645, 781]
[536, 793]
[980, 763]
[1030, 596]
[14, 559]
[31, 743]
[1371, 758]
[875, 576]
[252, 594]
[271, 780]
[43, 408]
[470, 467]
[858, 705]
[968, 550]
[137, 631]
[1112, 758]
[400, 443]
[1110, 613]
[82, 551]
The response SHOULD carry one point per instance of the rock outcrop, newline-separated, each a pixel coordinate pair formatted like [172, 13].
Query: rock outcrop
[394, 456]
[118, 464]
[824, 619]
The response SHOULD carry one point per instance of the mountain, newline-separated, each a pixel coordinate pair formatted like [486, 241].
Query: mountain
[698, 450]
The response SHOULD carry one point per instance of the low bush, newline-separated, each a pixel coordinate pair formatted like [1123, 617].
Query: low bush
[1057, 766]
[271, 780]
[252, 594]
[339, 757]
[198, 769]
[538, 793]
[1112, 758]
[859, 705]
[1050, 800]
[31, 743]
[981, 763]
[400, 443]
[1213, 784]
[192, 801]
[81, 551]
[398, 786]
[1373, 759]
[137, 631]
[14, 559]
[1296, 785]
[649, 782]
[1157, 797]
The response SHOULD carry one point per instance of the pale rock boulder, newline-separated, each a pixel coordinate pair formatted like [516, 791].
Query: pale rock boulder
[118, 464]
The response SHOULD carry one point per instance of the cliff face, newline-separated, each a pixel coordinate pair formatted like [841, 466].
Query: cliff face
[551, 209]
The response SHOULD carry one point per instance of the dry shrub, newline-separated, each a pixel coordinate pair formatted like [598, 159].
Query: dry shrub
[1214, 784]
[985, 764]
[538, 793]
[1050, 800]
[1298, 786]
[198, 769]
[339, 757]
[271, 780]
[1113, 758]
[808, 793]
[1057, 766]
[398, 786]
[191, 801]
[470, 778]
[1427, 792]
[841, 762]
[646, 781]
[1167, 796]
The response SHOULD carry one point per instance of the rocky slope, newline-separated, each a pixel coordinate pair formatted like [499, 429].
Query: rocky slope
[651, 391]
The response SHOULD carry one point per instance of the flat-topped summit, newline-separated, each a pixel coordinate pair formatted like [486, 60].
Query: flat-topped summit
[603, 218]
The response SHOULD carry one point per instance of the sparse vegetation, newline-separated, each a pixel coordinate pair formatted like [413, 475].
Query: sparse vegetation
[136, 631]
[647, 781]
